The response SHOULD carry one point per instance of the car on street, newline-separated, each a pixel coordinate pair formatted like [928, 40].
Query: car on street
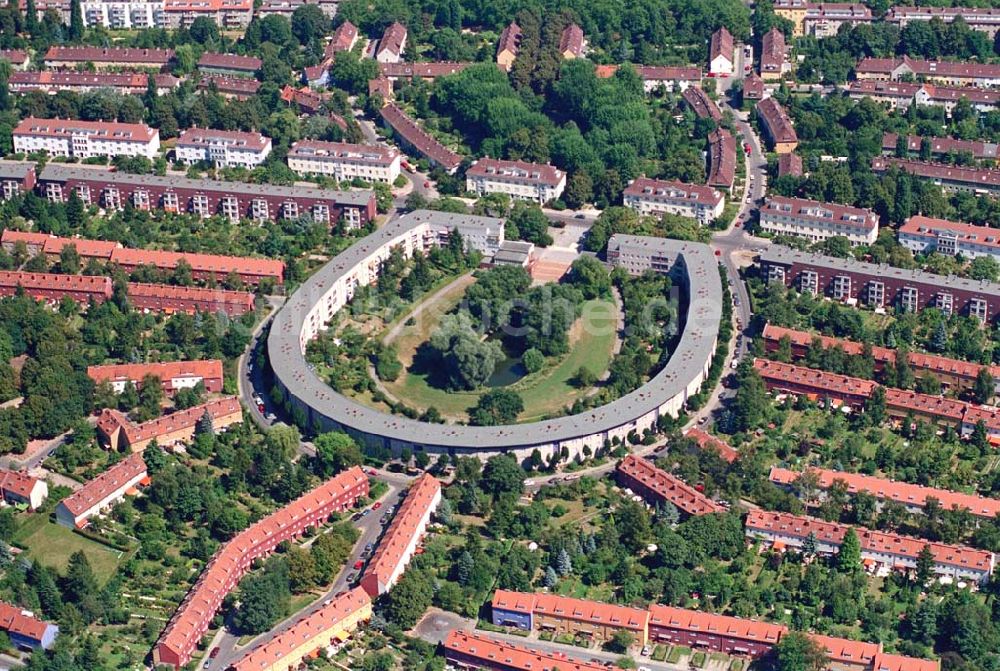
[378, 504]
[351, 579]
[215, 653]
[366, 511]
[358, 564]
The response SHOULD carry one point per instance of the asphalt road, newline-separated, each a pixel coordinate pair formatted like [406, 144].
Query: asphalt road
[371, 529]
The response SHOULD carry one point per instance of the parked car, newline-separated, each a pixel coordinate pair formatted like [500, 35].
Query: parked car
[358, 564]
[378, 504]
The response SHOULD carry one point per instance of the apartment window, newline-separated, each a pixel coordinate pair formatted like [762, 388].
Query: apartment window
[9, 189]
[809, 282]
[112, 198]
[141, 199]
[199, 205]
[170, 202]
[259, 209]
[979, 309]
[945, 302]
[876, 293]
[842, 287]
[53, 192]
[776, 274]
[83, 193]
[290, 209]
[321, 213]
[909, 299]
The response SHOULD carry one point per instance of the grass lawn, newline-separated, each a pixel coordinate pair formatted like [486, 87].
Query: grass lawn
[548, 391]
[52, 545]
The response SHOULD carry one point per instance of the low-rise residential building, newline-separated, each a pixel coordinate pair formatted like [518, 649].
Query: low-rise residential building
[228, 65]
[721, 49]
[287, 8]
[119, 433]
[658, 77]
[103, 492]
[108, 57]
[878, 549]
[412, 135]
[172, 299]
[821, 19]
[20, 489]
[722, 156]
[753, 87]
[111, 190]
[520, 180]
[923, 235]
[26, 631]
[236, 88]
[83, 82]
[86, 139]
[658, 486]
[508, 46]
[951, 178]
[815, 384]
[712, 632]
[227, 14]
[513, 253]
[773, 56]
[402, 536]
[590, 620]
[18, 58]
[639, 253]
[915, 498]
[428, 71]
[952, 374]
[331, 624]
[233, 560]
[699, 102]
[894, 95]
[949, 73]
[470, 651]
[816, 221]
[52, 287]
[915, 145]
[344, 161]
[985, 19]
[777, 126]
[393, 43]
[880, 286]
[223, 148]
[707, 441]
[344, 38]
[790, 164]
[16, 177]
[123, 14]
[173, 375]
[658, 197]
[571, 42]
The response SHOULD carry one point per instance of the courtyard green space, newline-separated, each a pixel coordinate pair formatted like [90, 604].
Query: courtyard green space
[53, 544]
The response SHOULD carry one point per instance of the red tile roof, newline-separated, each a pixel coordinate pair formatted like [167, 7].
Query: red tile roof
[221, 266]
[887, 662]
[813, 211]
[495, 652]
[778, 373]
[778, 124]
[753, 87]
[423, 70]
[690, 193]
[790, 164]
[182, 419]
[236, 86]
[229, 62]
[667, 486]
[230, 562]
[207, 368]
[17, 483]
[416, 136]
[936, 406]
[53, 245]
[668, 73]
[925, 68]
[110, 482]
[571, 40]
[721, 45]
[701, 104]
[714, 624]
[942, 145]
[928, 227]
[516, 602]
[706, 440]
[943, 171]
[832, 533]
[846, 650]
[393, 39]
[891, 490]
[55, 282]
[199, 137]
[510, 39]
[15, 56]
[138, 57]
[52, 80]
[399, 535]
[522, 171]
[317, 149]
[303, 631]
[772, 55]
[722, 155]
[343, 39]
[151, 296]
[21, 622]
[593, 612]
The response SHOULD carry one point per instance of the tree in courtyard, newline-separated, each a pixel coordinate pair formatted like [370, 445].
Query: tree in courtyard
[502, 475]
[984, 268]
[590, 276]
[875, 407]
[621, 641]
[409, 598]
[467, 360]
[69, 259]
[849, 557]
[939, 341]
[495, 407]
[797, 652]
[985, 386]
[150, 397]
[564, 566]
[551, 578]
[265, 597]
[809, 545]
[75, 21]
[925, 565]
[335, 452]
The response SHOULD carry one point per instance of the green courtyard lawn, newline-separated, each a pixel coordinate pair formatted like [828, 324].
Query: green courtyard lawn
[544, 393]
[52, 545]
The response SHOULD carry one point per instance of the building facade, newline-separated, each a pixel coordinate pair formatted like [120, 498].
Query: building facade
[951, 178]
[392, 45]
[16, 178]
[721, 53]
[470, 651]
[222, 148]
[117, 432]
[773, 56]
[53, 82]
[20, 489]
[949, 73]
[777, 126]
[923, 235]
[658, 197]
[658, 486]
[818, 221]
[26, 631]
[86, 139]
[103, 492]
[411, 135]
[590, 620]
[344, 161]
[508, 46]
[722, 157]
[173, 375]
[520, 180]
[108, 57]
[985, 19]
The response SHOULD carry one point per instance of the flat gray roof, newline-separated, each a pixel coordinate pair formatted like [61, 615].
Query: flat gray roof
[786, 255]
[693, 352]
[59, 173]
[15, 169]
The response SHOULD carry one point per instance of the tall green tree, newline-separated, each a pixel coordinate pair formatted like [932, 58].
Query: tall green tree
[849, 557]
[75, 21]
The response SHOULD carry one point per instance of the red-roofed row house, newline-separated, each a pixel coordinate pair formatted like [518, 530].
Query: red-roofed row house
[26, 631]
[592, 620]
[658, 486]
[879, 549]
[951, 373]
[119, 433]
[401, 538]
[19, 488]
[173, 375]
[203, 266]
[103, 492]
[707, 441]
[471, 651]
[188, 300]
[233, 560]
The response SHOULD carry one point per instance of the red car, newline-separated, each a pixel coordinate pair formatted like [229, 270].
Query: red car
[427, 185]
[378, 504]
[358, 564]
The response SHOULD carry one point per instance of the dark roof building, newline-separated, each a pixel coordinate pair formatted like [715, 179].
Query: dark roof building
[412, 135]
